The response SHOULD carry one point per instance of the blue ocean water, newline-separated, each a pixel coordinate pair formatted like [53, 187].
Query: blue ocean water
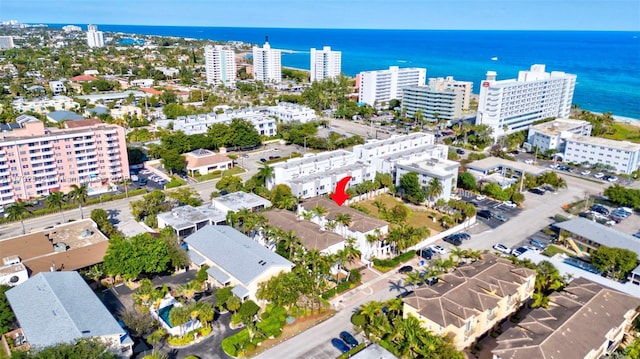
[607, 63]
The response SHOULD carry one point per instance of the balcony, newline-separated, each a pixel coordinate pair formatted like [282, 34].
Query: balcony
[39, 160]
[114, 151]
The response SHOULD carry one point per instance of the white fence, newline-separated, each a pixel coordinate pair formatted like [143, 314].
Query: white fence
[366, 196]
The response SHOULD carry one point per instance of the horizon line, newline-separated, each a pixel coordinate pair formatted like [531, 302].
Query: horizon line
[330, 28]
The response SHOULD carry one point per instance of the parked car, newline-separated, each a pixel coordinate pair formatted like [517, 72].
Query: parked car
[142, 181]
[463, 235]
[460, 151]
[134, 178]
[519, 251]
[348, 338]
[537, 191]
[480, 197]
[438, 249]
[486, 214]
[600, 209]
[598, 175]
[502, 248]
[509, 204]
[501, 217]
[612, 179]
[144, 172]
[537, 243]
[405, 269]
[453, 240]
[340, 345]
[263, 160]
[529, 162]
[585, 172]
[425, 253]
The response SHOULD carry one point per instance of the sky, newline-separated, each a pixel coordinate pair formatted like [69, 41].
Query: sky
[623, 15]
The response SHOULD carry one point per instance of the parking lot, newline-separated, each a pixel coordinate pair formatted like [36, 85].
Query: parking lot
[495, 207]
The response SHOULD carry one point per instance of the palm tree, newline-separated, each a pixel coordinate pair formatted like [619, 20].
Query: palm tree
[233, 303]
[330, 225]
[179, 316]
[434, 189]
[307, 215]
[126, 183]
[319, 212]
[344, 219]
[79, 194]
[17, 211]
[380, 206]
[264, 173]
[291, 241]
[414, 279]
[56, 200]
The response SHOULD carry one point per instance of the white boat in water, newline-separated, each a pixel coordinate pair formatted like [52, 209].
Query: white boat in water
[495, 58]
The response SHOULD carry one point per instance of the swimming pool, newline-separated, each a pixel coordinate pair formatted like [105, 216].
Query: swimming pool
[164, 314]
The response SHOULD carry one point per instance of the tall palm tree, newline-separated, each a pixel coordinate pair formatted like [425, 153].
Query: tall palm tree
[17, 211]
[319, 212]
[291, 241]
[344, 219]
[56, 200]
[79, 194]
[434, 189]
[264, 173]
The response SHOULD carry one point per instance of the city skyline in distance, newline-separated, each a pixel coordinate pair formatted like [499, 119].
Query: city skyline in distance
[612, 15]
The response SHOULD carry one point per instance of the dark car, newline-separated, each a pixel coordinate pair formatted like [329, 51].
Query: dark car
[456, 241]
[600, 209]
[537, 243]
[537, 191]
[485, 214]
[340, 345]
[263, 160]
[460, 151]
[348, 338]
[405, 269]
[425, 253]
[464, 235]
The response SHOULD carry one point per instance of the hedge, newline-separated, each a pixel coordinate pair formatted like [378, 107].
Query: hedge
[392, 262]
[236, 343]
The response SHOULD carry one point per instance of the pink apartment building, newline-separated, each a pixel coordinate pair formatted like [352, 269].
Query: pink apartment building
[35, 160]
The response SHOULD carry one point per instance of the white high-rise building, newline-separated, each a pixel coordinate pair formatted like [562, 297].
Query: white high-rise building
[512, 105]
[95, 38]
[220, 65]
[380, 87]
[267, 65]
[6, 42]
[325, 63]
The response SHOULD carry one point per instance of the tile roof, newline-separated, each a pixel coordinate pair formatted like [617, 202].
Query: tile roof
[235, 253]
[359, 222]
[468, 291]
[308, 232]
[150, 90]
[59, 307]
[202, 157]
[576, 322]
[83, 78]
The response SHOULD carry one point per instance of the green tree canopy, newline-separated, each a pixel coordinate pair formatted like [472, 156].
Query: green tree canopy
[173, 161]
[467, 181]
[616, 262]
[141, 254]
[411, 186]
[229, 184]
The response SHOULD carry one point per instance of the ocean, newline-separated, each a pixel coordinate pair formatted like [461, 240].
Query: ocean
[607, 63]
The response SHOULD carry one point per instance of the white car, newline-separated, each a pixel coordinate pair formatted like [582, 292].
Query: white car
[529, 162]
[510, 204]
[585, 173]
[612, 179]
[145, 172]
[438, 249]
[502, 248]
[480, 197]
[598, 175]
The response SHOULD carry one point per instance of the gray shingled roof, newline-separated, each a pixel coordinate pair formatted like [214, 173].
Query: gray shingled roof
[58, 116]
[59, 307]
[235, 253]
[601, 234]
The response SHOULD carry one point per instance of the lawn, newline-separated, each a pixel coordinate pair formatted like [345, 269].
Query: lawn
[624, 132]
[552, 250]
[219, 174]
[418, 218]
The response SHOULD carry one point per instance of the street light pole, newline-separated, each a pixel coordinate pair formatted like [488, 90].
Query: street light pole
[305, 145]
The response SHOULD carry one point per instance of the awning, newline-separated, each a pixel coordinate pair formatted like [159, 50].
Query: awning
[240, 291]
[219, 275]
[196, 258]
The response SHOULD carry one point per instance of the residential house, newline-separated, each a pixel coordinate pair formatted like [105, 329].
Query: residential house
[472, 300]
[234, 259]
[237, 201]
[202, 162]
[312, 235]
[361, 227]
[583, 321]
[59, 307]
[186, 220]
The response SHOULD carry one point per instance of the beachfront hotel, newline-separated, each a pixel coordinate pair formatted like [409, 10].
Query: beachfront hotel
[35, 160]
[377, 88]
[267, 65]
[220, 65]
[325, 63]
[508, 106]
[95, 38]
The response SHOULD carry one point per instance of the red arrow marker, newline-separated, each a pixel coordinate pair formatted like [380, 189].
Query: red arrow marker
[339, 196]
